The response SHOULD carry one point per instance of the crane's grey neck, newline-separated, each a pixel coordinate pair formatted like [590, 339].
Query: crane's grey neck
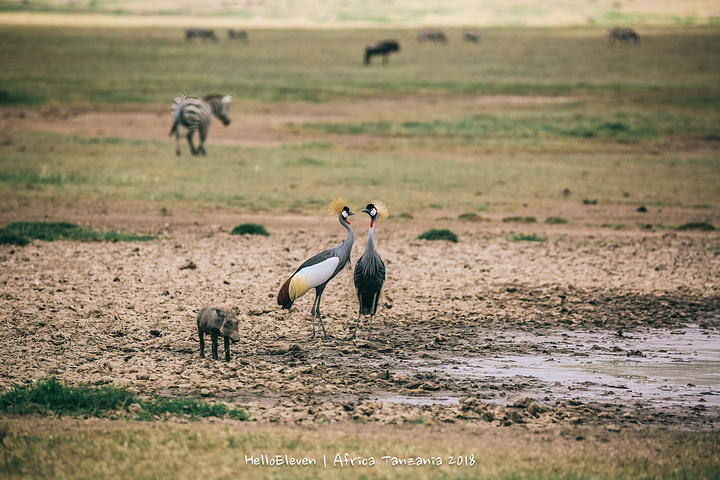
[371, 234]
[346, 246]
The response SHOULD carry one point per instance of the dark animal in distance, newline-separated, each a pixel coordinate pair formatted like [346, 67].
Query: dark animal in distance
[195, 114]
[435, 36]
[383, 48]
[471, 37]
[201, 33]
[369, 275]
[625, 35]
[317, 271]
[237, 34]
[217, 320]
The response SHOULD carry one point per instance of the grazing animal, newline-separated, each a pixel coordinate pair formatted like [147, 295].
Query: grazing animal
[237, 34]
[369, 276]
[381, 48]
[317, 271]
[435, 36]
[217, 319]
[471, 37]
[626, 35]
[195, 114]
[201, 33]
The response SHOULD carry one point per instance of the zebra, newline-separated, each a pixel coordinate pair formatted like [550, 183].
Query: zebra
[195, 114]
[381, 48]
[471, 37]
[237, 34]
[623, 34]
[201, 33]
[431, 35]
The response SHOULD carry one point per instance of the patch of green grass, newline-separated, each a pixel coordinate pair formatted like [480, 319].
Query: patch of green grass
[24, 232]
[250, 229]
[555, 220]
[20, 98]
[701, 226]
[438, 234]
[49, 395]
[522, 237]
[519, 219]
[470, 217]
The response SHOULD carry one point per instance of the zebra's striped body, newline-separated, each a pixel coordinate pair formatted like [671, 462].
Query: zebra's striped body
[201, 33]
[623, 34]
[238, 34]
[471, 37]
[435, 36]
[194, 114]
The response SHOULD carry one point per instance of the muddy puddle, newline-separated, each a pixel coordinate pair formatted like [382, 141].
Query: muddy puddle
[678, 367]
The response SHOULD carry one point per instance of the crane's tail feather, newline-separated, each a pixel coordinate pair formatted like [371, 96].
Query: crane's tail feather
[283, 297]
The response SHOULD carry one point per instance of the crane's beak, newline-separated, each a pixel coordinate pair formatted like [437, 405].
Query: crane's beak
[365, 210]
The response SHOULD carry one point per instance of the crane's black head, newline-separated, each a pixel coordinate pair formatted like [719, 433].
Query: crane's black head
[346, 213]
[376, 210]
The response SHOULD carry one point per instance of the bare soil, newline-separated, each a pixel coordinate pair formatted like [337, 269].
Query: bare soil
[581, 301]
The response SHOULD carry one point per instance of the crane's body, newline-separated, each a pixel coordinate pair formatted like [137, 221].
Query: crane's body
[369, 275]
[317, 271]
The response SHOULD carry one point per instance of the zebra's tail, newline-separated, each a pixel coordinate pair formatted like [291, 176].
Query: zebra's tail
[176, 113]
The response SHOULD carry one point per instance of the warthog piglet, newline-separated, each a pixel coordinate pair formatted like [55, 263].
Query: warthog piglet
[217, 319]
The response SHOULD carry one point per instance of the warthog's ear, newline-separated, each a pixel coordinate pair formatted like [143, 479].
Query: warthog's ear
[227, 99]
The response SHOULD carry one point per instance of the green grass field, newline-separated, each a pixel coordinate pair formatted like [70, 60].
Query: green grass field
[640, 126]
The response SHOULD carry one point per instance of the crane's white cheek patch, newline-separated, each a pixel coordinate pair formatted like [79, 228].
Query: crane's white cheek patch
[311, 277]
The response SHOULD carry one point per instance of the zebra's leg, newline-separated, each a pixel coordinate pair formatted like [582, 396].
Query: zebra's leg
[202, 133]
[190, 141]
[177, 140]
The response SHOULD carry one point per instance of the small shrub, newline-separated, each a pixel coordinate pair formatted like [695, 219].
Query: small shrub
[555, 220]
[470, 217]
[701, 226]
[250, 229]
[528, 238]
[9, 238]
[519, 220]
[590, 201]
[438, 234]
[49, 231]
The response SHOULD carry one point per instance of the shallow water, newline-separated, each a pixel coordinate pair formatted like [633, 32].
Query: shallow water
[679, 367]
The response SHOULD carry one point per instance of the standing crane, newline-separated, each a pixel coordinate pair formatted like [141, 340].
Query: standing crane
[317, 271]
[369, 276]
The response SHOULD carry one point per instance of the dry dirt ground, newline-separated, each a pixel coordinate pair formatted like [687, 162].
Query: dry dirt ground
[485, 331]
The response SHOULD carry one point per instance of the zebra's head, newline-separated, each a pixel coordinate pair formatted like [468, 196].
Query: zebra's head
[220, 106]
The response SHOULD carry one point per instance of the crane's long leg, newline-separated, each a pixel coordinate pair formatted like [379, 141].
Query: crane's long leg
[352, 337]
[316, 311]
[372, 314]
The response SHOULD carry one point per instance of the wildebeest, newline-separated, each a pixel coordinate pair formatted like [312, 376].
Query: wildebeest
[237, 34]
[435, 36]
[471, 37]
[623, 34]
[381, 48]
[201, 33]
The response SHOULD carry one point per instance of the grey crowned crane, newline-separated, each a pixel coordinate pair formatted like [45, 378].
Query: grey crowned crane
[369, 276]
[317, 271]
